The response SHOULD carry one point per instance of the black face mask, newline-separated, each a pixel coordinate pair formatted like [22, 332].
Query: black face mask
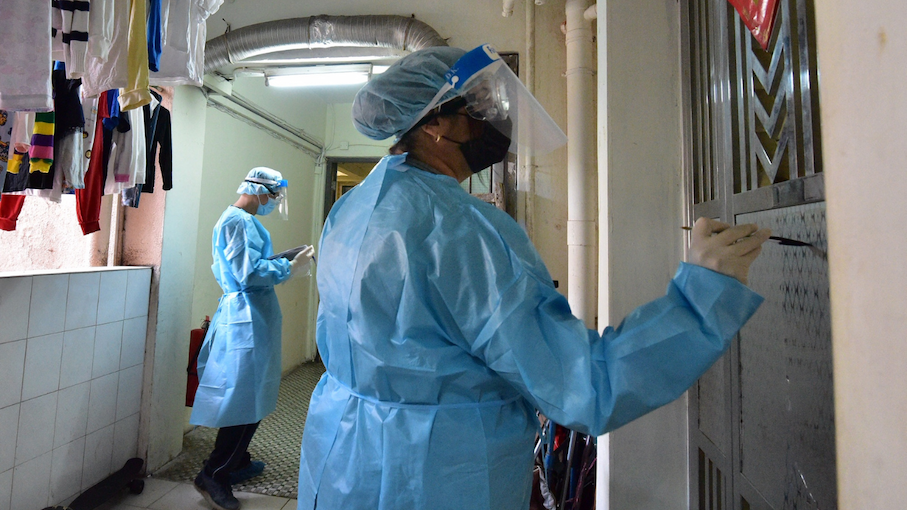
[489, 148]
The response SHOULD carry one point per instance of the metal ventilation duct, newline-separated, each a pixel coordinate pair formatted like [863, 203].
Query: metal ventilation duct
[394, 32]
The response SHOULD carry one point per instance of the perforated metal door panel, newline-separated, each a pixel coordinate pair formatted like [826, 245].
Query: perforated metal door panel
[786, 404]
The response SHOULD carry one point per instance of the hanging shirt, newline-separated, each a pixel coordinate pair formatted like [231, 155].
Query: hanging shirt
[101, 23]
[25, 67]
[110, 73]
[441, 333]
[183, 52]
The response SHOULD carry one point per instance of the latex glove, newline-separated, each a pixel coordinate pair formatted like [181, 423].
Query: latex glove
[302, 260]
[726, 249]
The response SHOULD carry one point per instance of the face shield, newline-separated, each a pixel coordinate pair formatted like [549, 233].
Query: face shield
[277, 190]
[494, 94]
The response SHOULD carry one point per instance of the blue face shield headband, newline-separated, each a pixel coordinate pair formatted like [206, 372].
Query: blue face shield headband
[495, 95]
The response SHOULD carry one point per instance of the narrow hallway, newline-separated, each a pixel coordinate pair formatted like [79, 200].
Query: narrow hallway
[277, 443]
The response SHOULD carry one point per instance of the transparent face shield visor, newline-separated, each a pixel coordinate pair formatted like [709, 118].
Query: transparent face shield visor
[277, 190]
[493, 93]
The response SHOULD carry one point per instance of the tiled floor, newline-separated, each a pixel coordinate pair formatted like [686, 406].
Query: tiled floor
[168, 495]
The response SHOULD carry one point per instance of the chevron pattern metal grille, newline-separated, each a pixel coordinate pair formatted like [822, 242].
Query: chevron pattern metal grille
[764, 123]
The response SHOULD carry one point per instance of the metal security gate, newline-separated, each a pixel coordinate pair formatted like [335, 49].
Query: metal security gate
[762, 419]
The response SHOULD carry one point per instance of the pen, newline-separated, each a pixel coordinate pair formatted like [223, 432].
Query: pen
[786, 241]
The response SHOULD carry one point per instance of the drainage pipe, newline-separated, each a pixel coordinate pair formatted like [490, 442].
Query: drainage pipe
[582, 206]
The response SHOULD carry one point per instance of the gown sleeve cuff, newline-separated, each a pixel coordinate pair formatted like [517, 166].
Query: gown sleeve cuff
[723, 303]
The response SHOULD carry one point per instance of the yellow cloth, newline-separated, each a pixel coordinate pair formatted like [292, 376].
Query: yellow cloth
[15, 162]
[136, 94]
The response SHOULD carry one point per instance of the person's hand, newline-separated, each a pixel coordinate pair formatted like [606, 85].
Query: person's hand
[302, 259]
[726, 249]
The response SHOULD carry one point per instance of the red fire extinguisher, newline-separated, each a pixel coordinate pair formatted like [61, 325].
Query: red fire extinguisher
[196, 338]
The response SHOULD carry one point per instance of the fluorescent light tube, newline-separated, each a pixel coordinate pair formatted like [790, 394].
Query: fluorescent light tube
[318, 79]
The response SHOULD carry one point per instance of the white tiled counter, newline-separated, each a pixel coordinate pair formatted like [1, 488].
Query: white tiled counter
[72, 348]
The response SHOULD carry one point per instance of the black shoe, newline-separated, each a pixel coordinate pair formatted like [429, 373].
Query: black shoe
[219, 495]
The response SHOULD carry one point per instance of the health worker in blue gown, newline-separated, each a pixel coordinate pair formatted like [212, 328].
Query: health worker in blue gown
[239, 362]
[440, 327]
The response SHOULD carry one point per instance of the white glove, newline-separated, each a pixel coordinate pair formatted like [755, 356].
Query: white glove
[730, 250]
[303, 261]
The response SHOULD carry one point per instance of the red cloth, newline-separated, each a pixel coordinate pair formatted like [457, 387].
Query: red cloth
[10, 207]
[88, 200]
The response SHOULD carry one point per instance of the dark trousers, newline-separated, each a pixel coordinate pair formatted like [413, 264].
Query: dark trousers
[229, 452]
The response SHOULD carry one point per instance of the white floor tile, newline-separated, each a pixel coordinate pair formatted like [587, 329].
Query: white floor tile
[6, 489]
[98, 452]
[78, 354]
[183, 497]
[9, 428]
[47, 310]
[291, 505]
[138, 288]
[15, 296]
[36, 427]
[102, 404]
[108, 340]
[155, 489]
[72, 414]
[12, 366]
[82, 301]
[42, 365]
[112, 297]
[31, 481]
[129, 392]
[133, 342]
[66, 471]
[125, 440]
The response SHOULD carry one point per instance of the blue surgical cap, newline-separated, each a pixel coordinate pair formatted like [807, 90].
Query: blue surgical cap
[392, 101]
[259, 172]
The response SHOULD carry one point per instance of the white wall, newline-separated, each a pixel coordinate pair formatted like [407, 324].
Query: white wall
[72, 347]
[343, 141]
[640, 181]
[163, 410]
[862, 51]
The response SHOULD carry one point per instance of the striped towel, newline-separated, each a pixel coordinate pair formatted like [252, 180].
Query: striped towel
[41, 152]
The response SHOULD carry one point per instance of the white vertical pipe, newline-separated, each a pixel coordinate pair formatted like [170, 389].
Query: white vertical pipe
[507, 8]
[582, 210]
[526, 180]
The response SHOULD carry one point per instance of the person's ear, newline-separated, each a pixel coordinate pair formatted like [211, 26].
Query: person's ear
[436, 128]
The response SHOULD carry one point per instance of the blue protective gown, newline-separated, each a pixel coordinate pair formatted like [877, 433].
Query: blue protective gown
[442, 332]
[239, 362]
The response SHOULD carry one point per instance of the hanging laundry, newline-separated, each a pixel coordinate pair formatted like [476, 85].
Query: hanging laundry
[6, 132]
[103, 74]
[182, 57]
[25, 67]
[135, 94]
[42, 143]
[159, 150]
[126, 165]
[23, 127]
[17, 172]
[101, 23]
[10, 207]
[70, 121]
[155, 34]
[70, 34]
[88, 199]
